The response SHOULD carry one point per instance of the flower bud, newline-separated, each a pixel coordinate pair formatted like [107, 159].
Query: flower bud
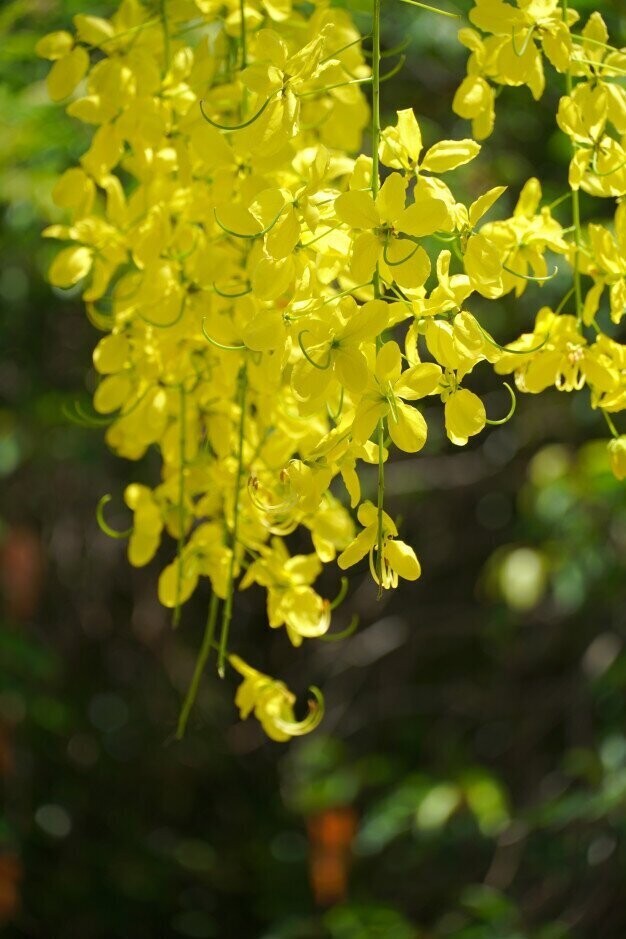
[617, 456]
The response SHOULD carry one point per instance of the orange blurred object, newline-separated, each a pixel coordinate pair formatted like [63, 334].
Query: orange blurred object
[21, 572]
[331, 834]
[10, 876]
[6, 751]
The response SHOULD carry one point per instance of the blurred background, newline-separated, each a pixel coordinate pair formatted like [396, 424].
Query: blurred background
[469, 779]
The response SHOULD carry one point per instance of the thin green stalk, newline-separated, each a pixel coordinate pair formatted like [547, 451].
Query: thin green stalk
[375, 95]
[181, 503]
[380, 505]
[564, 301]
[376, 277]
[166, 36]
[243, 39]
[575, 208]
[577, 240]
[227, 612]
[243, 36]
[611, 425]
[203, 655]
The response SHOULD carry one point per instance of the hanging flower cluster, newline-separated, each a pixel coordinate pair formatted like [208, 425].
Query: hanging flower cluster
[277, 306]
[508, 47]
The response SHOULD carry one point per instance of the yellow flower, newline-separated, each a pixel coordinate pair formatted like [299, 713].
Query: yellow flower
[291, 601]
[70, 63]
[332, 347]
[385, 395]
[617, 456]
[523, 239]
[599, 162]
[147, 524]
[401, 147]
[482, 260]
[450, 292]
[388, 232]
[558, 354]
[272, 703]
[457, 345]
[474, 99]
[509, 52]
[607, 265]
[464, 415]
[398, 559]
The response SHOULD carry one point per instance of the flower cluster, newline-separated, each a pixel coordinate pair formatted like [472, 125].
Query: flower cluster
[568, 348]
[277, 307]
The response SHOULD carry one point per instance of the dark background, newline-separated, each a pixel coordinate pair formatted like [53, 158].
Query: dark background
[474, 749]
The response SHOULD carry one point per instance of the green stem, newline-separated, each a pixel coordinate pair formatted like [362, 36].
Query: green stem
[610, 424]
[243, 36]
[227, 612]
[203, 655]
[181, 503]
[564, 301]
[166, 36]
[375, 95]
[577, 241]
[380, 505]
[575, 208]
[376, 277]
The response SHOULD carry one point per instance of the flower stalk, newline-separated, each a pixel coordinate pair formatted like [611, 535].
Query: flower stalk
[227, 613]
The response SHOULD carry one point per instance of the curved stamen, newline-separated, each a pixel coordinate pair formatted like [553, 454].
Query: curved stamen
[310, 722]
[596, 172]
[341, 596]
[172, 322]
[311, 361]
[258, 234]
[278, 528]
[243, 124]
[80, 417]
[104, 525]
[220, 345]
[520, 52]
[270, 508]
[513, 351]
[355, 81]
[335, 417]
[350, 629]
[234, 295]
[537, 280]
[402, 260]
[426, 6]
[503, 420]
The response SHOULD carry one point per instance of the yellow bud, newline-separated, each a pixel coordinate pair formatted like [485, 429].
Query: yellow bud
[70, 266]
[55, 45]
[93, 29]
[617, 456]
[66, 73]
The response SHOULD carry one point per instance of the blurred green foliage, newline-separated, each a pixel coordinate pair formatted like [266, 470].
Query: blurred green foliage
[476, 726]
